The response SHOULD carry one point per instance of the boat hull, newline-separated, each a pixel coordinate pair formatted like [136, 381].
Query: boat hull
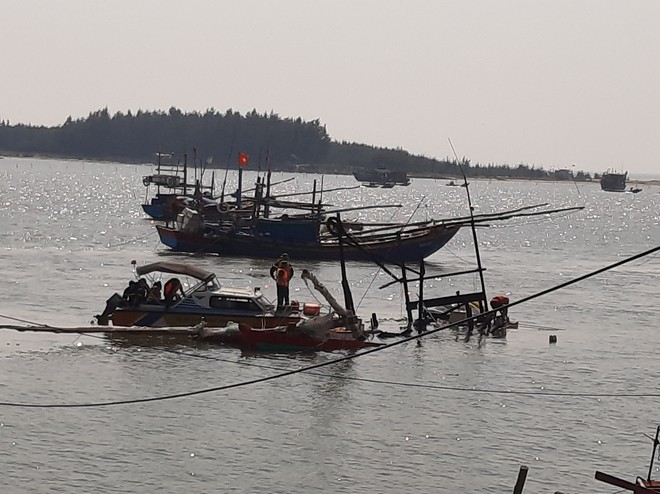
[382, 177]
[412, 247]
[287, 339]
[613, 182]
[157, 212]
[173, 319]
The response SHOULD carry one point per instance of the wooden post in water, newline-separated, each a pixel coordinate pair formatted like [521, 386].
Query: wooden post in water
[520, 482]
[185, 173]
[314, 192]
[421, 318]
[406, 295]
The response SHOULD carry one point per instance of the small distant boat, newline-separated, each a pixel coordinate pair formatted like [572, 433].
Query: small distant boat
[382, 177]
[634, 190]
[612, 181]
[451, 183]
[173, 192]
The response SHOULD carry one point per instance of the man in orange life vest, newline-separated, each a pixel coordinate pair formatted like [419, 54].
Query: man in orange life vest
[282, 272]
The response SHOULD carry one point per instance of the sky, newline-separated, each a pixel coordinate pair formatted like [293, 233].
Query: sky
[546, 83]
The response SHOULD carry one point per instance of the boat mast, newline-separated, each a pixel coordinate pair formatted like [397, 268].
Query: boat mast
[348, 297]
[472, 224]
[240, 186]
[158, 172]
[185, 173]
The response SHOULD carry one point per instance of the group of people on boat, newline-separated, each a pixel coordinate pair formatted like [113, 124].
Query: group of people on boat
[138, 292]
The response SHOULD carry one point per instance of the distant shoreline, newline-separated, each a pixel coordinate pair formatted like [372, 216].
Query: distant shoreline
[457, 179]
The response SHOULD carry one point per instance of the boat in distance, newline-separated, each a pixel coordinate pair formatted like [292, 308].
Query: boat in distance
[173, 177]
[204, 300]
[382, 177]
[302, 239]
[612, 181]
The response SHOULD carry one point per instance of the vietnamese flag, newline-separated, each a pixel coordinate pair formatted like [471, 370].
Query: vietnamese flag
[243, 159]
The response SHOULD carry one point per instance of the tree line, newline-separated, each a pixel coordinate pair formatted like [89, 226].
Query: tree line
[281, 144]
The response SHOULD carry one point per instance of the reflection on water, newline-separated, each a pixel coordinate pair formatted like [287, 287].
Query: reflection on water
[440, 414]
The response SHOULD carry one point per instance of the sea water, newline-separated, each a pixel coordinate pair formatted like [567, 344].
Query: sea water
[441, 414]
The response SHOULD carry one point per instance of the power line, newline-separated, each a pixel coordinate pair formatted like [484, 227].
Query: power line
[324, 364]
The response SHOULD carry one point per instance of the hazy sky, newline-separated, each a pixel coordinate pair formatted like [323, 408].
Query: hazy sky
[549, 83]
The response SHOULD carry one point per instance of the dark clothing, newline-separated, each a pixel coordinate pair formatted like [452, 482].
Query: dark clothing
[282, 295]
[155, 293]
[136, 293]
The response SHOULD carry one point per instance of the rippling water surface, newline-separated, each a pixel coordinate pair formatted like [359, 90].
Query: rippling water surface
[413, 418]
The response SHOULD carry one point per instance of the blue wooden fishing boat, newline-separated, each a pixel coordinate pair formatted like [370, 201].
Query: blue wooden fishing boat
[304, 238]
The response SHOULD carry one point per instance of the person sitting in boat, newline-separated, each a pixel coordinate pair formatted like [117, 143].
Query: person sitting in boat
[282, 272]
[171, 291]
[136, 293]
[155, 294]
[143, 291]
[130, 292]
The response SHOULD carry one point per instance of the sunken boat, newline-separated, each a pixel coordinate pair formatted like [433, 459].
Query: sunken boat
[306, 238]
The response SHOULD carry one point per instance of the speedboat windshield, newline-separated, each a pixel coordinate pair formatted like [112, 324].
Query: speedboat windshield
[210, 285]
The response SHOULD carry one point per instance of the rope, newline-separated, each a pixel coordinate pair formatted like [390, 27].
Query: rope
[25, 321]
[368, 288]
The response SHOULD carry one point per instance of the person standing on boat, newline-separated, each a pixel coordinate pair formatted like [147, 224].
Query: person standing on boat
[282, 272]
